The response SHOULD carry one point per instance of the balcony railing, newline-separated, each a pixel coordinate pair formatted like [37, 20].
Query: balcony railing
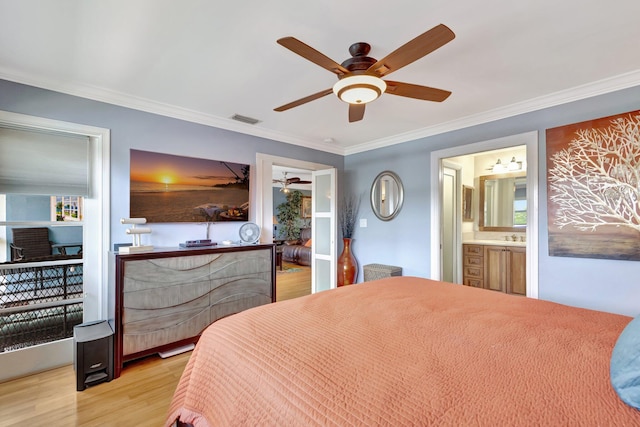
[39, 302]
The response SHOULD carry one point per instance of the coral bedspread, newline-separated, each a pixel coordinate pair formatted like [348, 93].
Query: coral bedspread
[405, 351]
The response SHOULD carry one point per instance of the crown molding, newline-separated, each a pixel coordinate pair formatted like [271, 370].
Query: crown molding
[601, 87]
[137, 103]
[623, 81]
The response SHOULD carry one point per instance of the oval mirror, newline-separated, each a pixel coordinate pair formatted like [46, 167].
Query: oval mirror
[387, 195]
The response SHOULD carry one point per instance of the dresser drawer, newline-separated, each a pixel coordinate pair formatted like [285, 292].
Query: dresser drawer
[476, 283]
[473, 261]
[473, 265]
[473, 250]
[474, 272]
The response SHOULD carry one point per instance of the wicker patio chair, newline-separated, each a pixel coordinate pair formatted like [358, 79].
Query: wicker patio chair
[30, 243]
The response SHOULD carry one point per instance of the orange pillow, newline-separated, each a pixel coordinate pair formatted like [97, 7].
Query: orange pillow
[308, 243]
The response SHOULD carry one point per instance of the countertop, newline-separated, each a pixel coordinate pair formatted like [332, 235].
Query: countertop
[496, 243]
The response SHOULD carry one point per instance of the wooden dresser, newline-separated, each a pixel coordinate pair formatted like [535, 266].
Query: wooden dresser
[165, 298]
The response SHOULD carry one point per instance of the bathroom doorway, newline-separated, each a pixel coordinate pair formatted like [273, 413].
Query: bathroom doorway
[473, 157]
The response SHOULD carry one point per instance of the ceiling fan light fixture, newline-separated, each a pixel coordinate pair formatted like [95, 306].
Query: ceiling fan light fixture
[359, 89]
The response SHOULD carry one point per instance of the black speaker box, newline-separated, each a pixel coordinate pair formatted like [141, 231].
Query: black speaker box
[93, 353]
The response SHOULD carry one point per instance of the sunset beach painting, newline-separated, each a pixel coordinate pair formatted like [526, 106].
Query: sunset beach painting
[168, 188]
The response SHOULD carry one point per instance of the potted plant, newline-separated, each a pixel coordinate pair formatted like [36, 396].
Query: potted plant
[347, 263]
[289, 216]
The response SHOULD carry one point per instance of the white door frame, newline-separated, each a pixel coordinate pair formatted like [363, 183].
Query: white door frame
[96, 238]
[324, 248]
[457, 243]
[530, 139]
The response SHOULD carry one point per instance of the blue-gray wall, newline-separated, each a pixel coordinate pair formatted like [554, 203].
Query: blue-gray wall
[601, 284]
[606, 285]
[151, 132]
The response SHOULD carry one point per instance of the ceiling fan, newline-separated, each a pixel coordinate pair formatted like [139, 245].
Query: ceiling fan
[285, 182]
[360, 77]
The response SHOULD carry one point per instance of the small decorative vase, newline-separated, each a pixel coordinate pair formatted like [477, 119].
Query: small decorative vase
[347, 265]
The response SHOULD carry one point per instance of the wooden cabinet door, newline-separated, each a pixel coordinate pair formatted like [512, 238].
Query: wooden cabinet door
[517, 280]
[495, 268]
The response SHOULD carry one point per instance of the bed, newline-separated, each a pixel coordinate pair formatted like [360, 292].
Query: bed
[405, 351]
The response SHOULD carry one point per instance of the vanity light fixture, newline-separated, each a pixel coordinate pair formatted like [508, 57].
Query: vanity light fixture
[498, 167]
[513, 165]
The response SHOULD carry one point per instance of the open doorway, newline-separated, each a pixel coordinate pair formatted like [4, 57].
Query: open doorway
[473, 155]
[292, 195]
[95, 248]
[494, 205]
[323, 245]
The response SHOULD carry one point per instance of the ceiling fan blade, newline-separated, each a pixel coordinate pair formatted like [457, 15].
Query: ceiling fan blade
[356, 112]
[422, 45]
[297, 180]
[304, 100]
[415, 91]
[309, 53]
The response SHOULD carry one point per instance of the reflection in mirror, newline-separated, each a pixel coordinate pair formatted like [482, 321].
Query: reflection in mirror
[387, 195]
[503, 202]
[467, 203]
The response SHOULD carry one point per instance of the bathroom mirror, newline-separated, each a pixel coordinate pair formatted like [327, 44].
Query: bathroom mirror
[503, 202]
[387, 195]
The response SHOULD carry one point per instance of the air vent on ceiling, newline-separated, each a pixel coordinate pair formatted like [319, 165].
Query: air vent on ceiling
[245, 119]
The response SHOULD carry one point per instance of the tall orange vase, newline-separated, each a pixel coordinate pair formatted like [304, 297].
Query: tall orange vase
[347, 265]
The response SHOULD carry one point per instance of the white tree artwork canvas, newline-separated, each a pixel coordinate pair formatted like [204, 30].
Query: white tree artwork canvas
[593, 184]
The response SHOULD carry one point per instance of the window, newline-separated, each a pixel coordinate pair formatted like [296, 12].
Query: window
[520, 212]
[66, 208]
[520, 202]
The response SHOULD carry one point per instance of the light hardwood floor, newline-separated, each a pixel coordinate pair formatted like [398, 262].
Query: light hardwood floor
[140, 397]
[293, 285]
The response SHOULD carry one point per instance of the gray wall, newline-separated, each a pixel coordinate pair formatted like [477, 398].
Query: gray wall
[150, 132]
[607, 285]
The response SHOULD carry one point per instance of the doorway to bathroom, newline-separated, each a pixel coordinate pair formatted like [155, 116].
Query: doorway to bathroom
[459, 168]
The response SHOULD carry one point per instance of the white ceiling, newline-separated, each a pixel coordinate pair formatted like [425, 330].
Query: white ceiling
[205, 61]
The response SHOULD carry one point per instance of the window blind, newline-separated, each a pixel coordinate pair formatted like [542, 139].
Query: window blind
[42, 162]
